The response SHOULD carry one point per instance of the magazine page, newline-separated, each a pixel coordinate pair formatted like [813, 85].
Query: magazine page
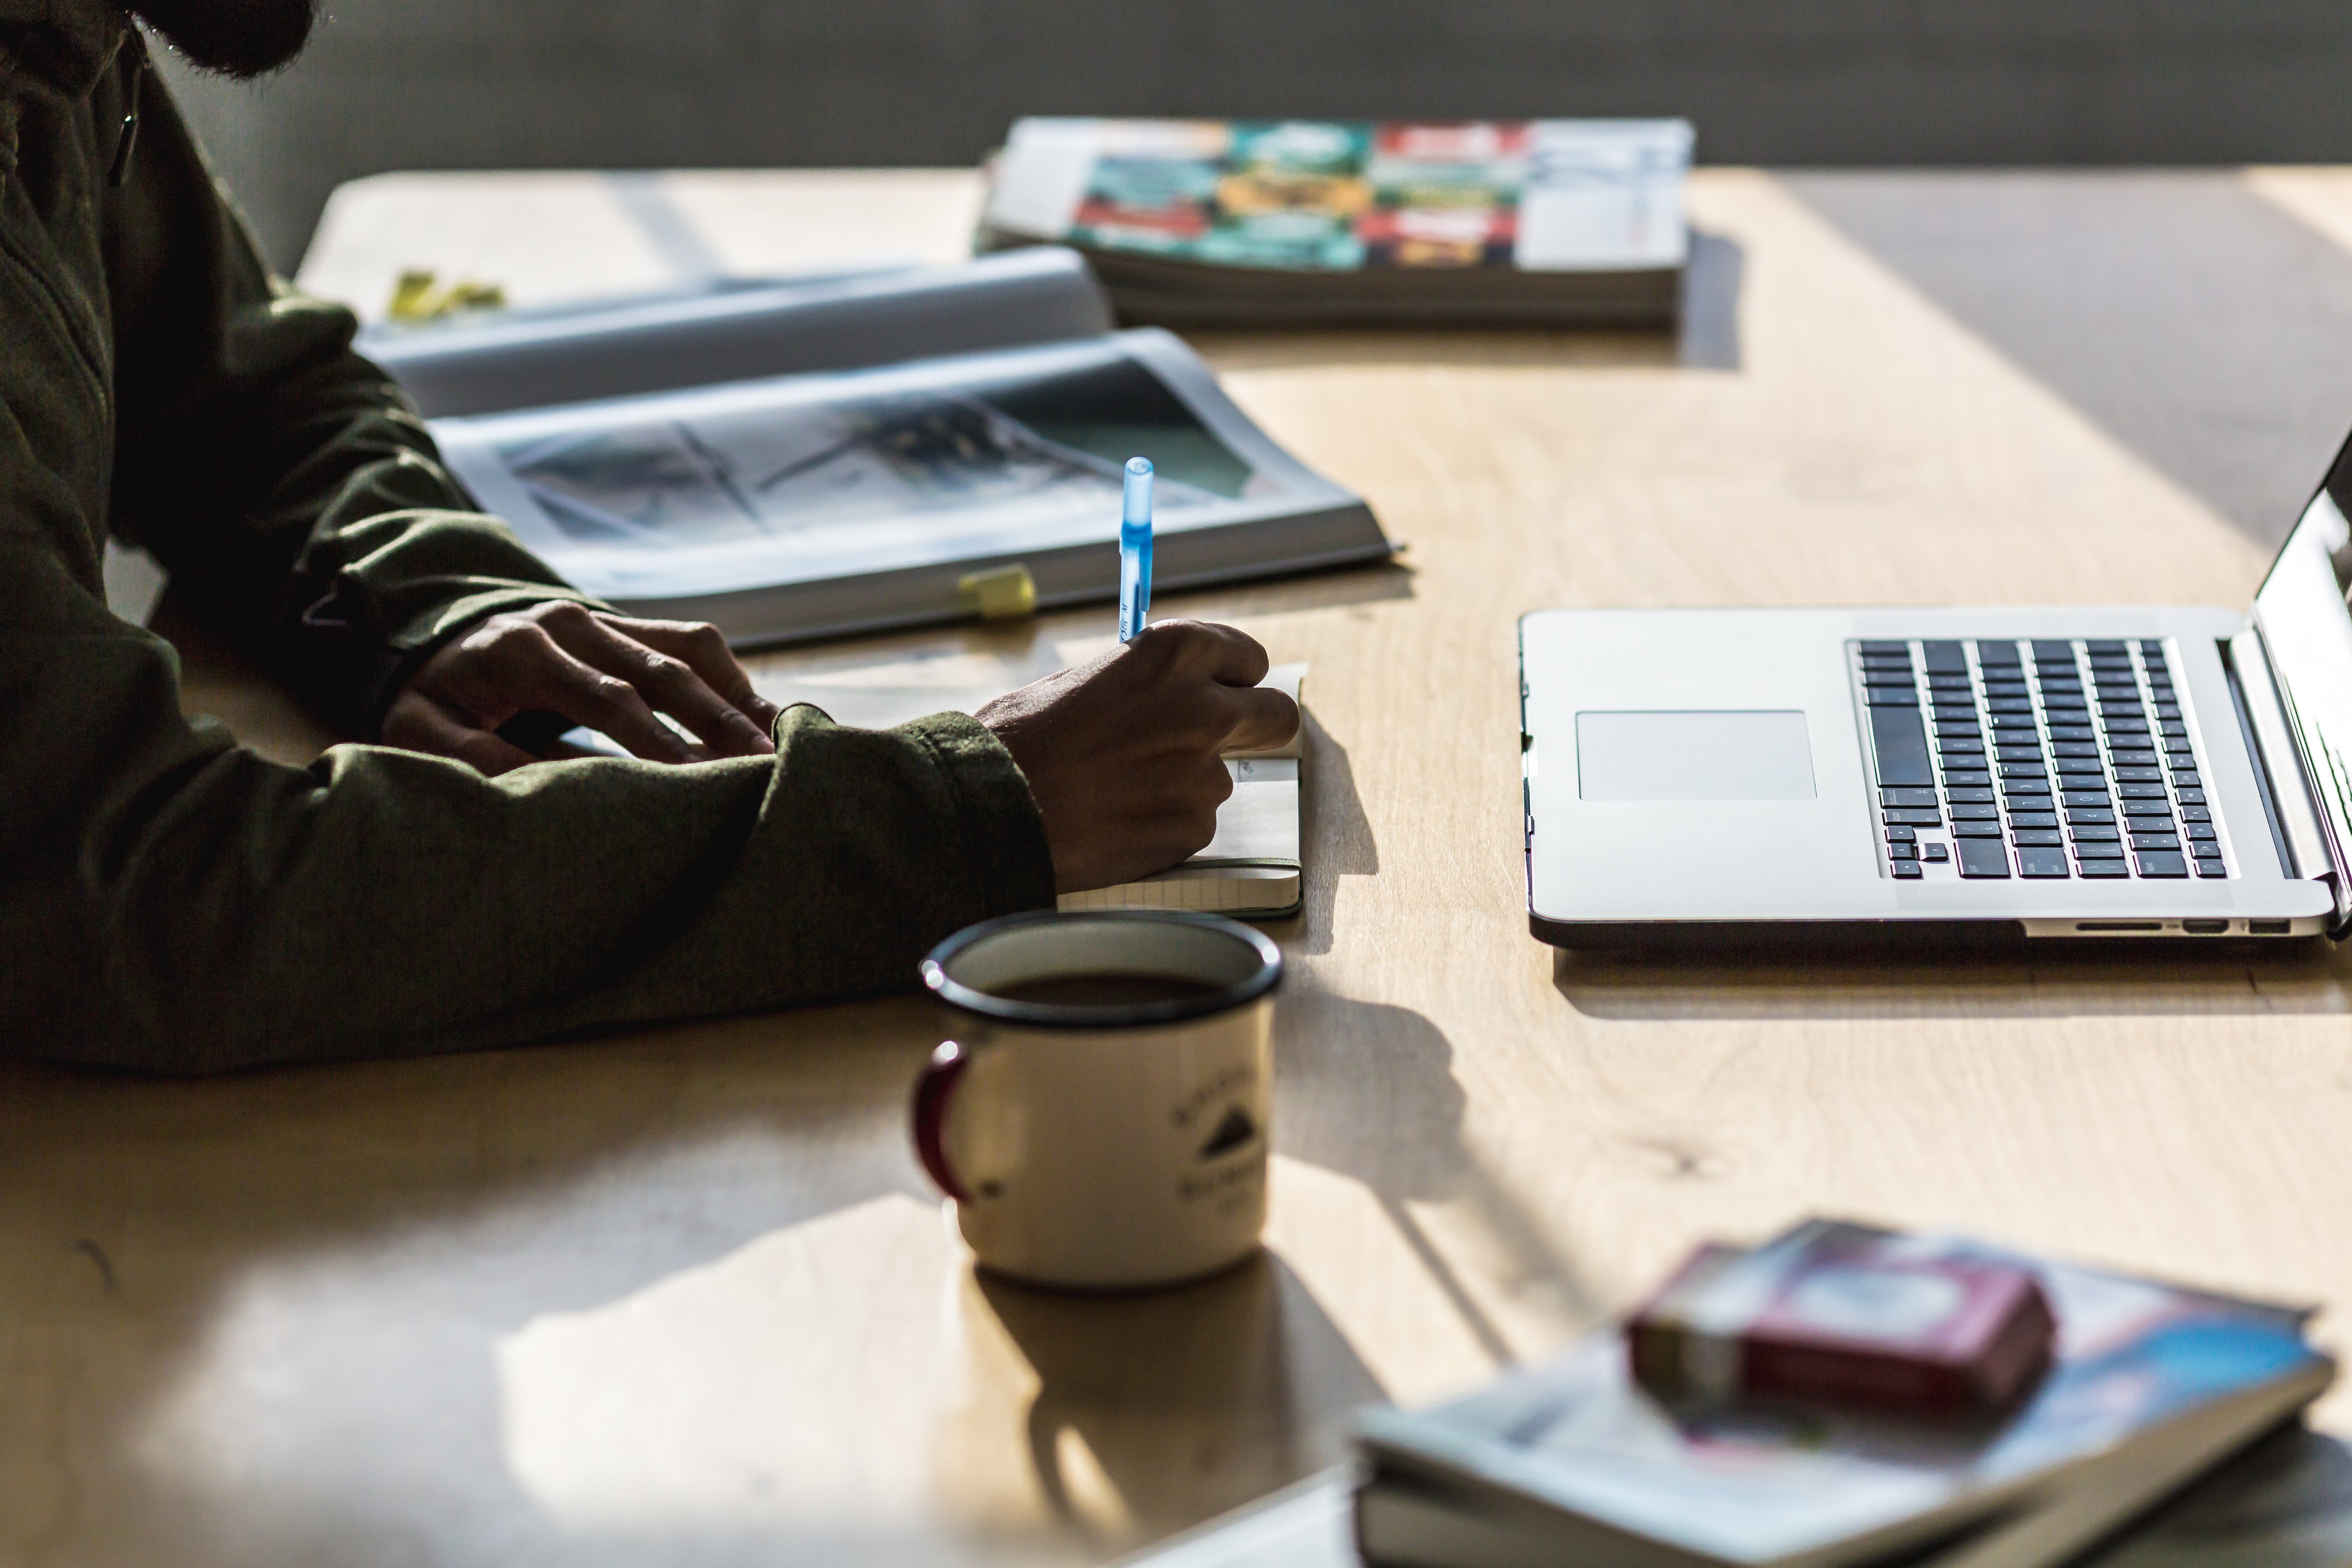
[1754, 1486]
[528, 359]
[1346, 196]
[802, 479]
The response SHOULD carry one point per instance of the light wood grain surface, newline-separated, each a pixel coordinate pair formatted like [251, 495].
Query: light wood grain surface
[682, 1297]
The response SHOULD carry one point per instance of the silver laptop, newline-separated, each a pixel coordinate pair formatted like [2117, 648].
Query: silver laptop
[2144, 771]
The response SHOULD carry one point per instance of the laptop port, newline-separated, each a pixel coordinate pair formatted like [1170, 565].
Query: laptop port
[2205, 927]
[2119, 926]
[2270, 927]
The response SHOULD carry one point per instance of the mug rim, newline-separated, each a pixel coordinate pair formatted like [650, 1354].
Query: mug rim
[1049, 1015]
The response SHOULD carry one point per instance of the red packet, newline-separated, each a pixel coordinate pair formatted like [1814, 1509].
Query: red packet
[1839, 1316]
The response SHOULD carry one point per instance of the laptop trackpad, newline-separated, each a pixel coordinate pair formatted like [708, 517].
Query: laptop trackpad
[1694, 757]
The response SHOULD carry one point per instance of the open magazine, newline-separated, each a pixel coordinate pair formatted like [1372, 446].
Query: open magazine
[834, 494]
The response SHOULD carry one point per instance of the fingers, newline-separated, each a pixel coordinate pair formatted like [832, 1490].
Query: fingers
[702, 649]
[660, 682]
[537, 673]
[1226, 656]
[417, 723]
[1264, 719]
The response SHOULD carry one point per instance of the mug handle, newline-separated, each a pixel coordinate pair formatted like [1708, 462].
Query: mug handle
[932, 1091]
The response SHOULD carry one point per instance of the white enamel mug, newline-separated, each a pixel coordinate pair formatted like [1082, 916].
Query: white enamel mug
[1103, 1145]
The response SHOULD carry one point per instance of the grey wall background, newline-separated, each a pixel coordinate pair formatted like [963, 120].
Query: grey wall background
[409, 84]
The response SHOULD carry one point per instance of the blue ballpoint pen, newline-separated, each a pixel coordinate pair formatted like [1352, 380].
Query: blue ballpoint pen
[1135, 550]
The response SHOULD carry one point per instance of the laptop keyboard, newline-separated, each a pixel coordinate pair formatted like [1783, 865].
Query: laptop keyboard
[2041, 760]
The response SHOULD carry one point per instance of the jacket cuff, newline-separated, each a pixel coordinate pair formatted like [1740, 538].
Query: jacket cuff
[1012, 864]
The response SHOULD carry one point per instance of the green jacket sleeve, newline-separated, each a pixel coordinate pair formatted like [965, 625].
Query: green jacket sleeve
[171, 901]
[284, 481]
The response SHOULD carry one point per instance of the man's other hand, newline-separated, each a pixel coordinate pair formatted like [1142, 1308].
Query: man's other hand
[608, 671]
[1124, 755]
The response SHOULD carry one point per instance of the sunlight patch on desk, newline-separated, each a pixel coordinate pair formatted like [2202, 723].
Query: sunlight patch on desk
[693, 1402]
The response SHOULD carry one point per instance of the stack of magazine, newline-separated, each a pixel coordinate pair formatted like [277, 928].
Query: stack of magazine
[805, 459]
[1318, 222]
[1572, 1462]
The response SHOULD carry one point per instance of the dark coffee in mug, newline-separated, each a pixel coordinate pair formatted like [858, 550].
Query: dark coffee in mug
[1111, 988]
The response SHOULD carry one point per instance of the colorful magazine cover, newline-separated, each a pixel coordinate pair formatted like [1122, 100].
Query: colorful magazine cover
[1329, 196]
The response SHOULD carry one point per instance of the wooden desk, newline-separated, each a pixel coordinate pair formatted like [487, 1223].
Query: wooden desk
[683, 1298]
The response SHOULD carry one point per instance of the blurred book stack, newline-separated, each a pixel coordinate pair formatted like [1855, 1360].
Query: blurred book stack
[2150, 1386]
[1316, 223]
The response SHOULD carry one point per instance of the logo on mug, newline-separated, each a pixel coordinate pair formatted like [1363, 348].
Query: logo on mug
[1236, 1130]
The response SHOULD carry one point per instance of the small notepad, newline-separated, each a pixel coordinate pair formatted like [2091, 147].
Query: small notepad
[1250, 868]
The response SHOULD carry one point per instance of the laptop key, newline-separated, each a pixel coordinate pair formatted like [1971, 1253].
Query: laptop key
[2209, 865]
[2202, 831]
[1944, 656]
[2018, 753]
[2091, 819]
[2173, 727]
[1975, 830]
[2140, 777]
[2075, 748]
[1904, 816]
[2162, 862]
[2035, 836]
[1906, 868]
[2022, 771]
[1899, 834]
[2154, 842]
[1982, 857]
[1995, 653]
[1934, 852]
[2086, 801]
[1972, 778]
[2072, 732]
[2093, 832]
[1971, 794]
[1900, 742]
[2132, 789]
[1974, 811]
[2101, 869]
[2041, 863]
[2191, 797]
[2080, 765]
[1885, 645]
[1906, 797]
[2086, 850]
[2188, 781]
[2033, 818]
[1902, 852]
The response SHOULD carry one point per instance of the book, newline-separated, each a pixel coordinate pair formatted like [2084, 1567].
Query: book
[1326, 222]
[1889, 1324]
[1573, 1460]
[2284, 1501]
[797, 461]
[1250, 869]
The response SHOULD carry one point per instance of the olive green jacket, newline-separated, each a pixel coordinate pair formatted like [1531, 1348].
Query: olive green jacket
[172, 902]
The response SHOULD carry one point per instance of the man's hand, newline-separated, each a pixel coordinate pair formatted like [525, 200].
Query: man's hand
[1124, 755]
[608, 671]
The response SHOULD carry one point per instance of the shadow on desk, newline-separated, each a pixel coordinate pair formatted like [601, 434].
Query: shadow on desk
[2153, 979]
[1156, 1409]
